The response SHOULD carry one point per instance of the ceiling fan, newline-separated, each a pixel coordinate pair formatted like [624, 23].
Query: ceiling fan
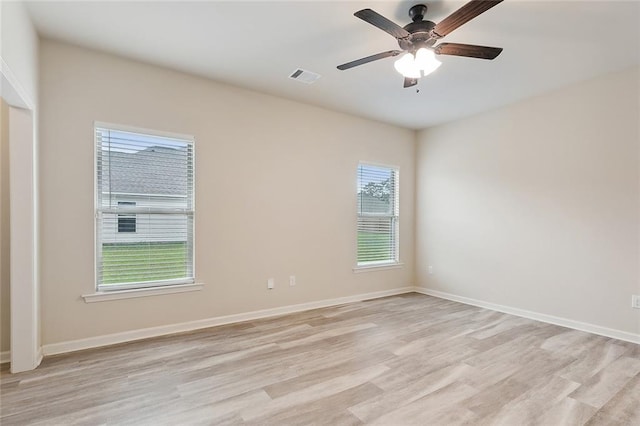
[419, 37]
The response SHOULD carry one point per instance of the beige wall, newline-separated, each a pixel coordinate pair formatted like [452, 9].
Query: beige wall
[275, 192]
[536, 205]
[5, 315]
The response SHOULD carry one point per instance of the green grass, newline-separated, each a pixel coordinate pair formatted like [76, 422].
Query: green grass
[139, 262]
[382, 243]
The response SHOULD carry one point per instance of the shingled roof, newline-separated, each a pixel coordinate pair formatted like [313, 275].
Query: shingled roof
[153, 171]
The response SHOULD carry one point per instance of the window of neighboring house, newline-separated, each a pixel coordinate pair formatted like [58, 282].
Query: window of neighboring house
[146, 241]
[378, 213]
[126, 222]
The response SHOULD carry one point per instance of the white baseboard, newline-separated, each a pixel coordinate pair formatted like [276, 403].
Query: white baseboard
[145, 333]
[564, 322]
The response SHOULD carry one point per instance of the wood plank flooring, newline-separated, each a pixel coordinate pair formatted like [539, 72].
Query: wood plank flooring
[402, 360]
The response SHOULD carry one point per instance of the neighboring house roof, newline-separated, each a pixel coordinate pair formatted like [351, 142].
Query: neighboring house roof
[155, 171]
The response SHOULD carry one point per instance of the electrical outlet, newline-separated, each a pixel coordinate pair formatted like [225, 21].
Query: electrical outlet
[430, 270]
[635, 301]
[292, 280]
[271, 283]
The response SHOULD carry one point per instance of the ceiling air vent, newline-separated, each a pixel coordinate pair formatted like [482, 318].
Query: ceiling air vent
[304, 76]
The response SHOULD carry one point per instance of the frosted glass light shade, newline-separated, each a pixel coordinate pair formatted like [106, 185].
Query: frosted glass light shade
[407, 66]
[426, 61]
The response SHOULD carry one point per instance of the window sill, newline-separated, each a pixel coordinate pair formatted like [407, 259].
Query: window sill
[380, 267]
[103, 296]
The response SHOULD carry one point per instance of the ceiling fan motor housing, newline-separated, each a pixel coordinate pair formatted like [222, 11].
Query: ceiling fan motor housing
[420, 36]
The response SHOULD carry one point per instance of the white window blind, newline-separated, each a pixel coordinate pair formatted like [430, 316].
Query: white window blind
[144, 209]
[378, 211]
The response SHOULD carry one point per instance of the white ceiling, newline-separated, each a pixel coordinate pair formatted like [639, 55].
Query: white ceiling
[547, 44]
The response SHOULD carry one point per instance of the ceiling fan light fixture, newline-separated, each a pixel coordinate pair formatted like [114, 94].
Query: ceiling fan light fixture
[423, 63]
[406, 66]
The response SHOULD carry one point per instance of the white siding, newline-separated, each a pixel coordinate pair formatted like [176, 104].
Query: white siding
[149, 227]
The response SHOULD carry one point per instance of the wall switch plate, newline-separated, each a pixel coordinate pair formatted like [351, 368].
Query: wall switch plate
[271, 283]
[430, 269]
[635, 301]
[292, 280]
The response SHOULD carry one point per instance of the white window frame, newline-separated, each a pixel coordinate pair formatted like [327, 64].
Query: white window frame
[381, 264]
[170, 285]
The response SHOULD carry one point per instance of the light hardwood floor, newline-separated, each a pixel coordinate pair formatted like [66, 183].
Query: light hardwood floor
[408, 359]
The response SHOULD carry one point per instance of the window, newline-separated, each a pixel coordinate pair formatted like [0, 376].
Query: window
[144, 209]
[377, 215]
[126, 222]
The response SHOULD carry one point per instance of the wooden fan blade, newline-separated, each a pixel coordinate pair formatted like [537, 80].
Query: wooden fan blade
[468, 50]
[462, 16]
[409, 82]
[369, 59]
[377, 20]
